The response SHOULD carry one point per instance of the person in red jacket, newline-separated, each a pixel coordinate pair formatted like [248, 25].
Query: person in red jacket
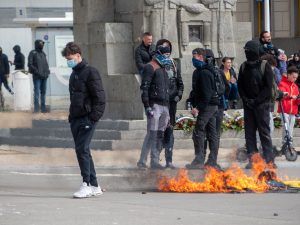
[290, 102]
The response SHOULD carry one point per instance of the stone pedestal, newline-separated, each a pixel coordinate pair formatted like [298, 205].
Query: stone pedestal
[109, 31]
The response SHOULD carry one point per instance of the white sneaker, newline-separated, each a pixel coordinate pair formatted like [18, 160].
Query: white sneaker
[96, 191]
[84, 191]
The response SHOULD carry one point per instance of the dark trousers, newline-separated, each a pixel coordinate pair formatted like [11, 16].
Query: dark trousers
[206, 126]
[258, 118]
[169, 133]
[82, 131]
[3, 80]
[39, 87]
[219, 119]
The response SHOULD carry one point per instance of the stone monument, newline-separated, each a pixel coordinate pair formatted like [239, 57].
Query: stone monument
[109, 31]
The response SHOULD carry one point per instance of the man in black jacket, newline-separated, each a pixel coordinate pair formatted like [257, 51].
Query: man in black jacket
[39, 68]
[87, 107]
[255, 89]
[266, 45]
[19, 60]
[4, 72]
[155, 97]
[205, 106]
[143, 53]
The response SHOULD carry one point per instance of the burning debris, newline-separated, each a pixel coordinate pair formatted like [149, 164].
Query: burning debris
[263, 178]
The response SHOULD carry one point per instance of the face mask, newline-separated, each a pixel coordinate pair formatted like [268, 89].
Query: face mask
[71, 63]
[40, 46]
[197, 63]
[163, 60]
[268, 45]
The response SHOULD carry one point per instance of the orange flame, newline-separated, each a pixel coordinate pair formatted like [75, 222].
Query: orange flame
[232, 180]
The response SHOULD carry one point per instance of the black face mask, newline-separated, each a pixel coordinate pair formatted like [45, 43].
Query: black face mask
[40, 46]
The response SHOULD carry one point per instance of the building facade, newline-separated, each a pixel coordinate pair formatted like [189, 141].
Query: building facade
[109, 31]
[24, 21]
[285, 21]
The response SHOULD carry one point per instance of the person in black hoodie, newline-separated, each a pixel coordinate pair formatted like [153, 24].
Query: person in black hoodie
[143, 53]
[19, 60]
[205, 106]
[39, 68]
[87, 106]
[255, 89]
[4, 72]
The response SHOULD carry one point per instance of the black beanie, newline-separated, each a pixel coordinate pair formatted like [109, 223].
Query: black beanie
[252, 46]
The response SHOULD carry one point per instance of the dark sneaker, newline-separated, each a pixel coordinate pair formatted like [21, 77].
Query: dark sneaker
[248, 166]
[214, 165]
[141, 165]
[170, 165]
[157, 167]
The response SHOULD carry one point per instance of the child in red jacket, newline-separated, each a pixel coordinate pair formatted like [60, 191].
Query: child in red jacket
[290, 102]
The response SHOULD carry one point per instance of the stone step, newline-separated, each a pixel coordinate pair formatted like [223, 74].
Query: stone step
[107, 134]
[63, 133]
[98, 134]
[102, 124]
[53, 142]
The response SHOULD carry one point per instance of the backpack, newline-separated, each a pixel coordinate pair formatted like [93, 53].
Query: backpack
[219, 82]
[275, 92]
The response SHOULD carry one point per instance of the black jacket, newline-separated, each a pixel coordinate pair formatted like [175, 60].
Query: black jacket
[176, 84]
[86, 93]
[252, 85]
[37, 63]
[4, 66]
[294, 63]
[203, 88]
[155, 85]
[143, 55]
[19, 60]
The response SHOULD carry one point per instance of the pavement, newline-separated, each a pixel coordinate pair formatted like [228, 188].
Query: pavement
[36, 187]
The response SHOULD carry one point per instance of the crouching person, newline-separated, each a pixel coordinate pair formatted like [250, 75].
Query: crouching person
[155, 97]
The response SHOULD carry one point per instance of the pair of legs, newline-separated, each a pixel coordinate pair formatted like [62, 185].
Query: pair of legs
[258, 118]
[82, 130]
[39, 91]
[290, 122]
[153, 141]
[219, 119]
[169, 135]
[232, 96]
[3, 80]
[205, 127]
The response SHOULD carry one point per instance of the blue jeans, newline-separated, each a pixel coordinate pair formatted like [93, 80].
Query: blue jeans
[233, 94]
[40, 86]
